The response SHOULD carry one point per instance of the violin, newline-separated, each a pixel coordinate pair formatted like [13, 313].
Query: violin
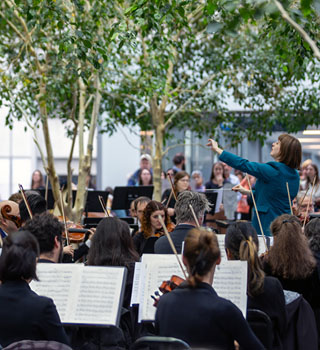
[167, 287]
[76, 232]
[5, 210]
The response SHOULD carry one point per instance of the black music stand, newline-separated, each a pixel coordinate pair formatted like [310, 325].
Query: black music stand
[212, 198]
[93, 204]
[124, 195]
[50, 200]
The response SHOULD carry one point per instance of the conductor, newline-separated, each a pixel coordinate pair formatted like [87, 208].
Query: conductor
[270, 192]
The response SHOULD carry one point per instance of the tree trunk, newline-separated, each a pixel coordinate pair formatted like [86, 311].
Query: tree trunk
[158, 125]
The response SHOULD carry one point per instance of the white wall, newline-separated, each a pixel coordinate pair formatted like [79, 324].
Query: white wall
[119, 157]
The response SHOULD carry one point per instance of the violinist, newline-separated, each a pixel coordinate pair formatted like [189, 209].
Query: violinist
[193, 311]
[151, 227]
[185, 220]
[265, 293]
[48, 231]
[270, 190]
[181, 183]
[36, 203]
[9, 219]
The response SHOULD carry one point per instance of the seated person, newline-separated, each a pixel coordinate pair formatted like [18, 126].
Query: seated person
[151, 227]
[193, 311]
[291, 260]
[24, 314]
[264, 293]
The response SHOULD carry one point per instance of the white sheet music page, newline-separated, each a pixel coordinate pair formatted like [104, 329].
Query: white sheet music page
[136, 283]
[157, 268]
[222, 247]
[230, 282]
[83, 294]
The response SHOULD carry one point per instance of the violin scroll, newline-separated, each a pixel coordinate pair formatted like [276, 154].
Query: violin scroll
[5, 210]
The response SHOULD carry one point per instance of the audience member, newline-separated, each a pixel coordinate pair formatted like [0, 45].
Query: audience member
[303, 174]
[145, 163]
[193, 311]
[24, 314]
[197, 177]
[217, 177]
[178, 162]
[185, 220]
[145, 178]
[313, 175]
[37, 181]
[264, 293]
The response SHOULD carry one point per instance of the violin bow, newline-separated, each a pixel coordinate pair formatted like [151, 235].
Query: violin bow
[194, 216]
[255, 208]
[25, 200]
[103, 205]
[172, 189]
[64, 217]
[309, 201]
[172, 245]
[289, 197]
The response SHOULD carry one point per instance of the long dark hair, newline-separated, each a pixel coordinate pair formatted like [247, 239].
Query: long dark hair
[112, 244]
[242, 241]
[212, 170]
[140, 178]
[312, 232]
[290, 255]
[201, 250]
[316, 170]
[18, 260]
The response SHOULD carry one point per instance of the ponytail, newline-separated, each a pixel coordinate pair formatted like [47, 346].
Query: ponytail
[242, 241]
[201, 249]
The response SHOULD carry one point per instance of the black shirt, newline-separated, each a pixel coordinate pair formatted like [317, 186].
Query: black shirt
[201, 318]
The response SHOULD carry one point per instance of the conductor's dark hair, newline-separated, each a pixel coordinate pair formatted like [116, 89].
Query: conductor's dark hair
[18, 260]
[45, 227]
[242, 241]
[37, 203]
[112, 244]
[201, 250]
[290, 151]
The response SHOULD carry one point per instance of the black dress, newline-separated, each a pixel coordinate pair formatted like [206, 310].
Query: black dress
[202, 319]
[144, 245]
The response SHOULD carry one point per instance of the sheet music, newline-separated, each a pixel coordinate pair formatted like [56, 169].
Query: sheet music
[230, 282]
[157, 268]
[262, 247]
[83, 294]
[219, 199]
[222, 246]
[135, 286]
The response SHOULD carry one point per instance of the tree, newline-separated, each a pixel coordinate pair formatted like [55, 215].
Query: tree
[52, 53]
[188, 58]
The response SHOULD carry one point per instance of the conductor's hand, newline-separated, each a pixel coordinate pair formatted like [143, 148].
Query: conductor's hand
[214, 146]
[241, 189]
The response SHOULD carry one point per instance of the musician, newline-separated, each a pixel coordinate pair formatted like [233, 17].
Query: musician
[185, 220]
[312, 232]
[36, 203]
[8, 226]
[181, 183]
[47, 229]
[264, 293]
[151, 227]
[193, 311]
[112, 246]
[139, 205]
[24, 314]
[270, 191]
[291, 260]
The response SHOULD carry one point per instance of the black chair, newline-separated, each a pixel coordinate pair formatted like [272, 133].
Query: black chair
[261, 326]
[157, 343]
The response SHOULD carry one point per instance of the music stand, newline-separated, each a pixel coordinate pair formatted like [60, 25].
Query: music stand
[124, 195]
[212, 196]
[51, 201]
[93, 204]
